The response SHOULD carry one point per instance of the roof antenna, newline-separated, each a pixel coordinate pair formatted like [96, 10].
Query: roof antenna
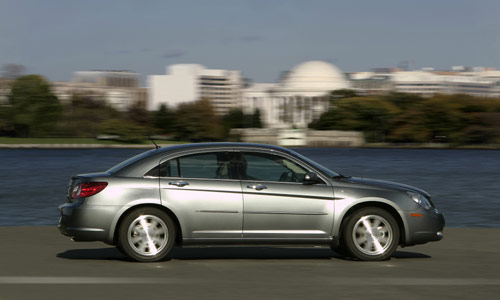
[153, 141]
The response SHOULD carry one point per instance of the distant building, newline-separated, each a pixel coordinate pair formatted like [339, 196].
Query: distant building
[300, 97]
[488, 74]
[185, 83]
[109, 78]
[119, 89]
[479, 82]
[422, 83]
[371, 83]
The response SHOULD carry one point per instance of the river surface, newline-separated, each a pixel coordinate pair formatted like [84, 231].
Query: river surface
[464, 184]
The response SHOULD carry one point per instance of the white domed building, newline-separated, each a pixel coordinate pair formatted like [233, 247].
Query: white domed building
[299, 98]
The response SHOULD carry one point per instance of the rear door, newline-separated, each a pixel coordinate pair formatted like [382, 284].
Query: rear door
[204, 193]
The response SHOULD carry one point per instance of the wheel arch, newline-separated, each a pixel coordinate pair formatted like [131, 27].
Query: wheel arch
[178, 229]
[382, 205]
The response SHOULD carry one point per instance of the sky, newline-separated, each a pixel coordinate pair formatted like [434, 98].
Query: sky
[261, 38]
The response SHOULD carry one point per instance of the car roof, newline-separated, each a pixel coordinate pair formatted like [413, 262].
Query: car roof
[193, 146]
[142, 163]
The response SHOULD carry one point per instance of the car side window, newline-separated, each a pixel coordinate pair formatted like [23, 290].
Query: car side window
[214, 165]
[269, 167]
[207, 165]
[167, 169]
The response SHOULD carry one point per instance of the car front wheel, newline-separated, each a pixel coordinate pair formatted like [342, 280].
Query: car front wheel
[371, 234]
[146, 234]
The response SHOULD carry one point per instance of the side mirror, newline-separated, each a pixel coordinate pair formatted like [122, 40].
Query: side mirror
[311, 178]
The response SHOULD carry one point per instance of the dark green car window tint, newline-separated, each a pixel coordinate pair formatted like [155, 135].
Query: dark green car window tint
[170, 169]
[205, 165]
[268, 167]
[167, 169]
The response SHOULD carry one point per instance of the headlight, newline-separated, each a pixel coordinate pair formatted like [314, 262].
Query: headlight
[420, 199]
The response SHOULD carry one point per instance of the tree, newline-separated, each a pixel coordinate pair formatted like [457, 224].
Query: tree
[5, 126]
[408, 127]
[342, 93]
[83, 115]
[368, 114]
[197, 122]
[256, 121]
[138, 114]
[164, 119]
[442, 118]
[431, 119]
[406, 118]
[482, 128]
[35, 110]
[126, 131]
[403, 100]
[12, 71]
[235, 118]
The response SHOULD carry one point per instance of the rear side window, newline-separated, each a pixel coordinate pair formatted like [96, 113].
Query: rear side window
[167, 169]
[213, 165]
[209, 165]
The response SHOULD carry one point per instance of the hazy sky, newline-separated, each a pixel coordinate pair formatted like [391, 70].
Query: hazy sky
[260, 38]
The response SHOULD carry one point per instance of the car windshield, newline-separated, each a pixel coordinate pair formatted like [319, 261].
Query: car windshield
[130, 161]
[317, 166]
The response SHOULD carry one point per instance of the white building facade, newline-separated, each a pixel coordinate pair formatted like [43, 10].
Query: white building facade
[300, 97]
[118, 89]
[186, 83]
[428, 82]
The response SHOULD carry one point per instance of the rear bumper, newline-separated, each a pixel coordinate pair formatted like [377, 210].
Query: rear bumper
[84, 222]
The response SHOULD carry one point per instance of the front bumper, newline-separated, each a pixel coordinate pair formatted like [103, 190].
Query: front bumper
[84, 222]
[424, 226]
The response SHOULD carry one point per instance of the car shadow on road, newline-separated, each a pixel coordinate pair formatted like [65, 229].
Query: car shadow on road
[109, 253]
[207, 253]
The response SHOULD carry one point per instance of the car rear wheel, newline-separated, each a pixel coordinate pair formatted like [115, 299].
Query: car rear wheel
[341, 250]
[146, 234]
[371, 234]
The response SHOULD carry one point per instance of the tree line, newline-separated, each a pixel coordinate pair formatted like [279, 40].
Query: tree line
[34, 111]
[407, 118]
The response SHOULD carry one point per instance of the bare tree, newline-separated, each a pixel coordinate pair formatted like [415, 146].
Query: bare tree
[12, 71]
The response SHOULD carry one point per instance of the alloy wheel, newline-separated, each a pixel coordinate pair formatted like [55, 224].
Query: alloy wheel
[372, 235]
[147, 235]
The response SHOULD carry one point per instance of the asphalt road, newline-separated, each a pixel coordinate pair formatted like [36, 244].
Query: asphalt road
[39, 263]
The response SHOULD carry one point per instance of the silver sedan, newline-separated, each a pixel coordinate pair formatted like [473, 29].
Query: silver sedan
[243, 194]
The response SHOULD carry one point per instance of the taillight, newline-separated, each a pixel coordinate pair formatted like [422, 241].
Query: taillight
[87, 189]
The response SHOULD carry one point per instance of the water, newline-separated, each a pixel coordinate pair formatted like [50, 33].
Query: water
[464, 184]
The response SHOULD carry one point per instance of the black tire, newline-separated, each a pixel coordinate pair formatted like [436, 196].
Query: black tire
[341, 250]
[149, 245]
[376, 242]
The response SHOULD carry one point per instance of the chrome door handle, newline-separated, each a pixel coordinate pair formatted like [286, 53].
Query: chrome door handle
[257, 187]
[179, 183]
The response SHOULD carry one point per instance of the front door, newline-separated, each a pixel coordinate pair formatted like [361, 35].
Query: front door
[277, 203]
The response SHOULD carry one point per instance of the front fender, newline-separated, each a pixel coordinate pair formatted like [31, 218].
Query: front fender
[344, 207]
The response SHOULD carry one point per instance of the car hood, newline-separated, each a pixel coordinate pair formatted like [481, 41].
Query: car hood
[386, 184]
